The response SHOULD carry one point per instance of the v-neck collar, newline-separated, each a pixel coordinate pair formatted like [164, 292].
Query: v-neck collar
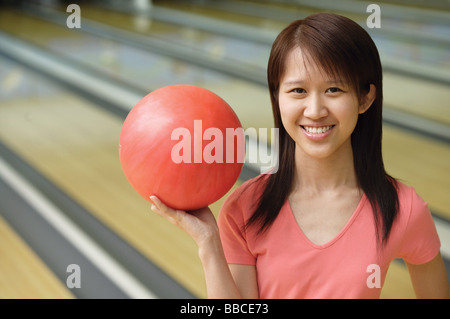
[335, 238]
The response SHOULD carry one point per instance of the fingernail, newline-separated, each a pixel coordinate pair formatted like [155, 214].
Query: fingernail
[152, 197]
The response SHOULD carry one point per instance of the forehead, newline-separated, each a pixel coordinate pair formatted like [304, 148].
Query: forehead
[300, 66]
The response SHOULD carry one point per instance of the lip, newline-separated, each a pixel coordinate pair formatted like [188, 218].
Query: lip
[317, 136]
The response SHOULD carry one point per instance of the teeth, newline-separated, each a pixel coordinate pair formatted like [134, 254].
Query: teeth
[317, 130]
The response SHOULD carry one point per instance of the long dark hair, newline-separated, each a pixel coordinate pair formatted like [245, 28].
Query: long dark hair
[344, 50]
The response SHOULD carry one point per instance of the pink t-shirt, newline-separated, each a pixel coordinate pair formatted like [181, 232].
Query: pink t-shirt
[351, 265]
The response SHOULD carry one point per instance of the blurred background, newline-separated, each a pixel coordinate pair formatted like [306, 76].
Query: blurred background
[67, 82]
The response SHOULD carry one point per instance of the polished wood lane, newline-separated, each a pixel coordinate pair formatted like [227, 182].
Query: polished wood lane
[417, 96]
[22, 273]
[422, 163]
[397, 284]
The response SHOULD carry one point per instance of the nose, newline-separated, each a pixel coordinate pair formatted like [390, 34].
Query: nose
[315, 108]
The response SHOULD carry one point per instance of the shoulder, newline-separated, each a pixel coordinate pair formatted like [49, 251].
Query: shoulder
[248, 193]
[243, 200]
[235, 211]
[410, 202]
[414, 228]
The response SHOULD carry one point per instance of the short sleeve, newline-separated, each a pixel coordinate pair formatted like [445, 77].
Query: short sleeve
[231, 222]
[420, 242]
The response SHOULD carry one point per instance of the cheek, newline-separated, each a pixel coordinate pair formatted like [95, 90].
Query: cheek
[288, 110]
[288, 115]
[347, 117]
[350, 113]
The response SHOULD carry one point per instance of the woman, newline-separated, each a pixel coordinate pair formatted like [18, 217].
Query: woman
[328, 223]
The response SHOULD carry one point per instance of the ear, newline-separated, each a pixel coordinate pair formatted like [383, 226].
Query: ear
[368, 99]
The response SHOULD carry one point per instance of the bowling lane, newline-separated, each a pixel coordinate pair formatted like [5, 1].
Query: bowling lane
[219, 47]
[23, 274]
[417, 96]
[397, 284]
[143, 69]
[207, 8]
[420, 162]
[151, 35]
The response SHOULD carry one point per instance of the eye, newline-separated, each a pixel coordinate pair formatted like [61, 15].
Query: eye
[298, 91]
[334, 90]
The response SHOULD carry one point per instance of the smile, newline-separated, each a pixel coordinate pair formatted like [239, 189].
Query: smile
[317, 130]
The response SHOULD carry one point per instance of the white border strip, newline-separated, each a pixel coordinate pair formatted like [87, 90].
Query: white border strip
[100, 258]
[444, 235]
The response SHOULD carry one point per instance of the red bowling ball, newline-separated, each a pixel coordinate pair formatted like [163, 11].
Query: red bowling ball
[183, 144]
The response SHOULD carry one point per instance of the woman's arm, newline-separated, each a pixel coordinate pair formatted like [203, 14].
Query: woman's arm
[201, 225]
[246, 281]
[430, 279]
[225, 281]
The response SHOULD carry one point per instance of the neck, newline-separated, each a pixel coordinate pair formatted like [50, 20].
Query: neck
[319, 175]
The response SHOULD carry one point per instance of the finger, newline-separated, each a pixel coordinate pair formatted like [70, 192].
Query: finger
[161, 209]
[157, 203]
[155, 209]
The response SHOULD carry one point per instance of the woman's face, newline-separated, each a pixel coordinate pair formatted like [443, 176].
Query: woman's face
[318, 112]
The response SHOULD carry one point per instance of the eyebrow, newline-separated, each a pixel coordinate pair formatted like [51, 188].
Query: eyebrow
[292, 83]
[302, 82]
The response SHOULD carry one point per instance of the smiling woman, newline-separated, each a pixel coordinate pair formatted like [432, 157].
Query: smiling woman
[333, 58]
[330, 220]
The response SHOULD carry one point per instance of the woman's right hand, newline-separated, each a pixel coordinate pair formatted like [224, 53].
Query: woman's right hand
[200, 224]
